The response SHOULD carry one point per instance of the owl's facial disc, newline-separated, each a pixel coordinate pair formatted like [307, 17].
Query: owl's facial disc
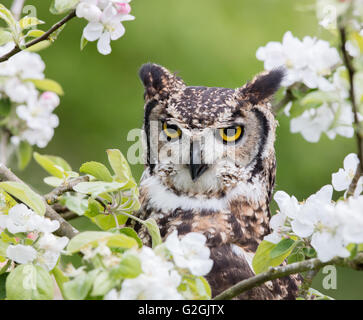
[196, 168]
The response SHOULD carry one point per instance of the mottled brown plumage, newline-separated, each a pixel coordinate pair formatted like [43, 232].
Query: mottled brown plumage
[226, 195]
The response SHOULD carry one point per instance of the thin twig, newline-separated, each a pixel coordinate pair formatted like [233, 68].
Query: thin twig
[69, 215]
[45, 36]
[68, 185]
[283, 271]
[353, 185]
[65, 229]
[306, 285]
[351, 72]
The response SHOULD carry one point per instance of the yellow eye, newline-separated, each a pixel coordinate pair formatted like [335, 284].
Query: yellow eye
[231, 134]
[171, 131]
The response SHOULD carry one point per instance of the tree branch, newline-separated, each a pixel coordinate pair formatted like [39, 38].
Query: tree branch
[351, 72]
[65, 229]
[308, 280]
[68, 185]
[45, 36]
[283, 271]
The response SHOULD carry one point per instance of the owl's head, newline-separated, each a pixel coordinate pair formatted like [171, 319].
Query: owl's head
[203, 139]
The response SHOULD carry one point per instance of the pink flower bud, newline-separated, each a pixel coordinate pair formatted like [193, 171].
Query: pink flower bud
[31, 235]
[49, 99]
[122, 8]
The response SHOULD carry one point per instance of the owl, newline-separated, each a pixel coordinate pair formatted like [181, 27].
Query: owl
[210, 168]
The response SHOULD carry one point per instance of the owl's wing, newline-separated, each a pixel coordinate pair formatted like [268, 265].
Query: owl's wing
[232, 264]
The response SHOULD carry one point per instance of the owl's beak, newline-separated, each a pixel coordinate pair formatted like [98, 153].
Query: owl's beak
[196, 168]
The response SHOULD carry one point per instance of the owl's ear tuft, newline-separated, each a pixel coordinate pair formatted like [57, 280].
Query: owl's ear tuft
[158, 80]
[262, 87]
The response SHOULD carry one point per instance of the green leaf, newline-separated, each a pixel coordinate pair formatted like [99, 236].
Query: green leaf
[53, 181]
[195, 288]
[154, 231]
[25, 194]
[28, 22]
[309, 252]
[62, 6]
[119, 165]
[5, 107]
[5, 37]
[79, 287]
[56, 166]
[6, 202]
[74, 203]
[97, 170]
[107, 222]
[3, 247]
[39, 46]
[282, 247]
[131, 233]
[94, 208]
[316, 98]
[102, 284]
[34, 33]
[95, 188]
[86, 238]
[129, 267]
[47, 85]
[60, 278]
[84, 42]
[24, 154]
[262, 259]
[3, 285]
[295, 257]
[7, 16]
[29, 282]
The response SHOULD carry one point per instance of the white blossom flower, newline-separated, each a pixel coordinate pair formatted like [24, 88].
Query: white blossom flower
[342, 179]
[50, 242]
[21, 254]
[329, 245]
[312, 123]
[313, 212]
[277, 224]
[353, 48]
[159, 281]
[316, 218]
[50, 248]
[112, 295]
[19, 91]
[308, 61]
[22, 219]
[39, 119]
[19, 219]
[48, 259]
[28, 65]
[109, 27]
[89, 10]
[190, 252]
[351, 215]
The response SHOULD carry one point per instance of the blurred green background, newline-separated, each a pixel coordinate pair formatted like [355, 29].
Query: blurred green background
[211, 43]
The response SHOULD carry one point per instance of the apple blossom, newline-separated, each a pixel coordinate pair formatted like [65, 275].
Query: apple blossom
[190, 252]
[342, 179]
[308, 61]
[21, 253]
[105, 21]
[159, 281]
